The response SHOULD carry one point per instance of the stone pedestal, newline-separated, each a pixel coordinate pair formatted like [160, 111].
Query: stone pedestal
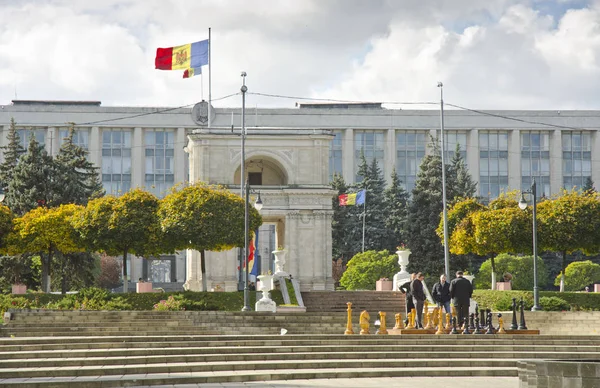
[143, 287]
[503, 286]
[19, 289]
[265, 303]
[384, 285]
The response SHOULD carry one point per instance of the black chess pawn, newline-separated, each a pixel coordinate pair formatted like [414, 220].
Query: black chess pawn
[522, 325]
[490, 326]
[453, 331]
[482, 319]
[466, 325]
[471, 321]
[513, 325]
[477, 328]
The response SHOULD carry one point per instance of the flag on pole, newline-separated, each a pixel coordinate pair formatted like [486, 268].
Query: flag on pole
[192, 55]
[252, 268]
[189, 73]
[352, 199]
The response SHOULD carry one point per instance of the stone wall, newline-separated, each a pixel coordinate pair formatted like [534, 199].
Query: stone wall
[559, 374]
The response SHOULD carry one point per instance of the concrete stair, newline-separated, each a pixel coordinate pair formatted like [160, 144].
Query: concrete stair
[105, 361]
[372, 301]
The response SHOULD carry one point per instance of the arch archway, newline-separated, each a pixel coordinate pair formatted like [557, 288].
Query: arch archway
[263, 170]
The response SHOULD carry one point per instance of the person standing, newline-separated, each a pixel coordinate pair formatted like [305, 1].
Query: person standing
[418, 294]
[405, 289]
[441, 293]
[461, 291]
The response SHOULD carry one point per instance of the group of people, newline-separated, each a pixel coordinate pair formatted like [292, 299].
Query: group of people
[459, 291]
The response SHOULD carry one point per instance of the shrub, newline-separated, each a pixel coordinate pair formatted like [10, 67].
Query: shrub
[580, 274]
[171, 304]
[521, 267]
[553, 303]
[365, 268]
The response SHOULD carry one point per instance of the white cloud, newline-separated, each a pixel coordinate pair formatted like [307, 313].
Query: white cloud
[493, 54]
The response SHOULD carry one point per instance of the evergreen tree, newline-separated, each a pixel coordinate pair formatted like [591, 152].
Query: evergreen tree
[377, 236]
[32, 182]
[345, 239]
[461, 179]
[396, 203]
[588, 187]
[78, 176]
[11, 153]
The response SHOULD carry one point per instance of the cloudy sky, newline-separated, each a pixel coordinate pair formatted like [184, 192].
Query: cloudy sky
[492, 54]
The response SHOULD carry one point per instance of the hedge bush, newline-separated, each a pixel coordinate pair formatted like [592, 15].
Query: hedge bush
[553, 303]
[579, 274]
[502, 300]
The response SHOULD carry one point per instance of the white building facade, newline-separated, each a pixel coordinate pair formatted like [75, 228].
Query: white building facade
[292, 154]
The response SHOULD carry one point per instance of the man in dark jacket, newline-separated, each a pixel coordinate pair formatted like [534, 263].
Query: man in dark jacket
[418, 294]
[461, 291]
[405, 289]
[441, 293]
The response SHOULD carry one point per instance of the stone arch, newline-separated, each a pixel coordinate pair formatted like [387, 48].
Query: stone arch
[275, 170]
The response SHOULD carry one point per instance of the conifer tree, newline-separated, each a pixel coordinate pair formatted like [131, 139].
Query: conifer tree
[463, 184]
[78, 176]
[588, 187]
[11, 153]
[32, 182]
[396, 203]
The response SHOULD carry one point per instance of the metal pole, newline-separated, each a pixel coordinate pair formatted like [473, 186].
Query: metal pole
[445, 209]
[246, 289]
[209, 81]
[536, 291]
[364, 220]
[243, 89]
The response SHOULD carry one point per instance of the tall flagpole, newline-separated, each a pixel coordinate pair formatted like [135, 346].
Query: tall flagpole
[209, 81]
[445, 209]
[364, 219]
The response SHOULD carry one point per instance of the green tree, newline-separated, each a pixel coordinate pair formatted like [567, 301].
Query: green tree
[520, 267]
[588, 187]
[396, 203]
[78, 177]
[47, 232]
[205, 218]
[580, 274]
[110, 272]
[32, 182]
[74, 271]
[366, 268]
[10, 152]
[345, 236]
[463, 185]
[123, 225]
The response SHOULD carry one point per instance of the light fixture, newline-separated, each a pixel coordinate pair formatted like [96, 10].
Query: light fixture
[258, 205]
[523, 206]
[522, 202]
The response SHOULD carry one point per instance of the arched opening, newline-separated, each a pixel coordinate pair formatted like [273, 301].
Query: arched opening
[262, 171]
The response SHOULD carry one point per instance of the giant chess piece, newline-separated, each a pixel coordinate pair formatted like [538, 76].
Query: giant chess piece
[513, 325]
[501, 325]
[482, 319]
[477, 328]
[471, 321]
[466, 325]
[453, 331]
[490, 326]
[522, 325]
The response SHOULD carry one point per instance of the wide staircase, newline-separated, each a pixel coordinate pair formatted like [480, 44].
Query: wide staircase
[373, 301]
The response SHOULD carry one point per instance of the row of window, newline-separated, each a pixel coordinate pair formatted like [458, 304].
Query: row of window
[493, 157]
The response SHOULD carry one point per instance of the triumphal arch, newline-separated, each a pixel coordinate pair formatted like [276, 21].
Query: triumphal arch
[290, 169]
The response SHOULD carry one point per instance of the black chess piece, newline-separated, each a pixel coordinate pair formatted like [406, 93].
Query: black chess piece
[482, 319]
[466, 325]
[471, 321]
[477, 328]
[522, 325]
[453, 331]
[490, 326]
[513, 325]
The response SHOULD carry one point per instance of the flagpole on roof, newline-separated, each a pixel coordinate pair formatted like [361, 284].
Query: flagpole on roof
[209, 81]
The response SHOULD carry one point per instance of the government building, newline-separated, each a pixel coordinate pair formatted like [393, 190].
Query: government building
[291, 155]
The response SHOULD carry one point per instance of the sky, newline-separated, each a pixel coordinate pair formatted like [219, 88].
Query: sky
[492, 54]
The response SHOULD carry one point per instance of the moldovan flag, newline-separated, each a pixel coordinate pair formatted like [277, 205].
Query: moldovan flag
[192, 55]
[252, 269]
[352, 199]
[188, 73]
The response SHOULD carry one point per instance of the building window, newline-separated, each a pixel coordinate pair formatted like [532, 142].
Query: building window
[451, 140]
[535, 161]
[410, 151]
[371, 144]
[116, 161]
[335, 155]
[81, 137]
[493, 164]
[255, 178]
[159, 161]
[576, 158]
[25, 135]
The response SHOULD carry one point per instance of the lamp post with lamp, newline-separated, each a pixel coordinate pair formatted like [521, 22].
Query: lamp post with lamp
[258, 206]
[523, 206]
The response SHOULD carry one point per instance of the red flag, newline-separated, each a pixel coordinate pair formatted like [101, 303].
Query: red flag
[343, 199]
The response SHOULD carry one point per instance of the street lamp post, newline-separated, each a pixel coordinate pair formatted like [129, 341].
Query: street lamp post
[523, 206]
[243, 89]
[444, 202]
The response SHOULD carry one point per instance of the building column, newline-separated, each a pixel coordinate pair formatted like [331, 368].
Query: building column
[433, 133]
[137, 159]
[389, 155]
[96, 151]
[53, 140]
[596, 158]
[180, 157]
[514, 160]
[348, 156]
[472, 161]
[556, 174]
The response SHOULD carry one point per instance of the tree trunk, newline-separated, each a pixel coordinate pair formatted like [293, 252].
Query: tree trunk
[203, 270]
[46, 284]
[562, 271]
[125, 283]
[493, 273]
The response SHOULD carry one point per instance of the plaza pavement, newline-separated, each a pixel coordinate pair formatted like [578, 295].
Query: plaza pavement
[382, 382]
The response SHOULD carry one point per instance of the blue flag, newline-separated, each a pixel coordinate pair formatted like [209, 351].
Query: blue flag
[360, 197]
